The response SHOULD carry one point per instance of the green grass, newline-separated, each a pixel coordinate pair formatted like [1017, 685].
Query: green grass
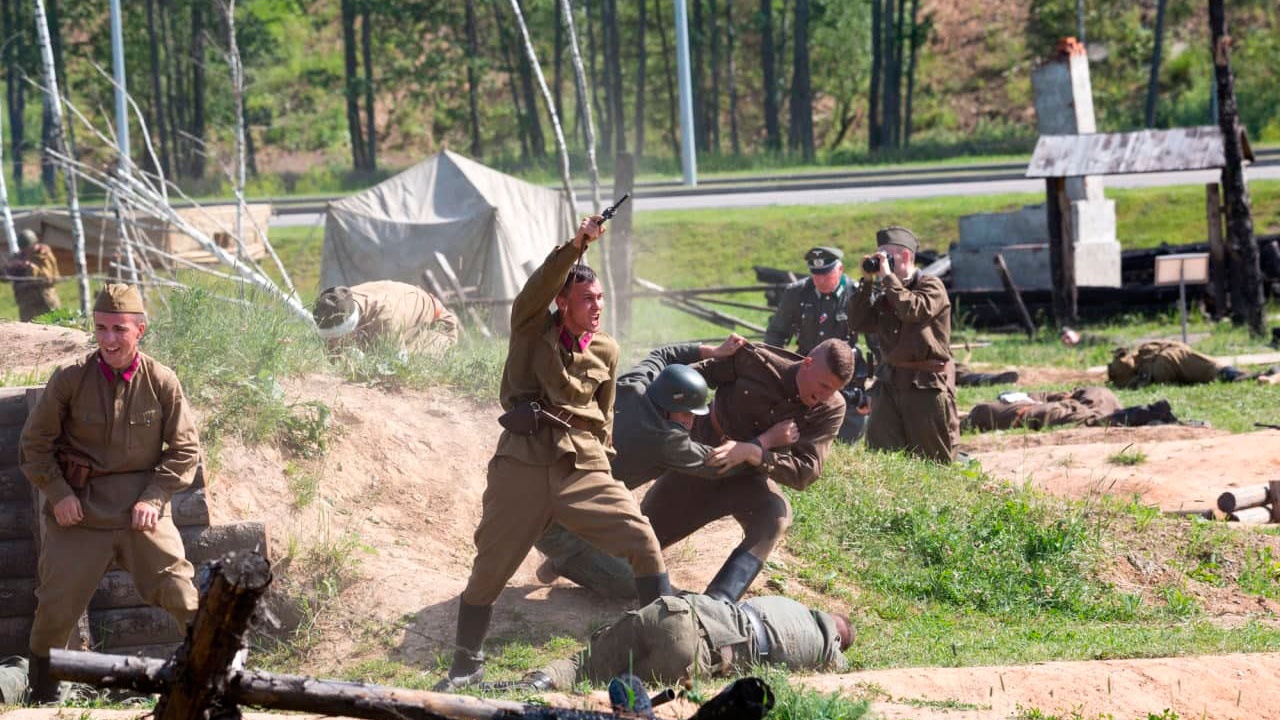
[1129, 456]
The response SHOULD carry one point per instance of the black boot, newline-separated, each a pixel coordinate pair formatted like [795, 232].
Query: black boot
[735, 576]
[652, 587]
[972, 379]
[1229, 374]
[45, 689]
[1162, 413]
[468, 654]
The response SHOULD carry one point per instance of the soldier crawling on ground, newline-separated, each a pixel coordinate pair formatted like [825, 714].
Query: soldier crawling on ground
[361, 315]
[34, 274]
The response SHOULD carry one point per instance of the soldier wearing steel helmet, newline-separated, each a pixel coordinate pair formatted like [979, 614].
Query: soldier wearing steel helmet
[657, 402]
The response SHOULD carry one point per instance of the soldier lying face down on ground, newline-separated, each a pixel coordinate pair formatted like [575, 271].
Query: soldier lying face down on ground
[360, 315]
[1082, 406]
[676, 638]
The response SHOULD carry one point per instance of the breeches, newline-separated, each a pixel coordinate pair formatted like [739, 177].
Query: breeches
[679, 504]
[922, 421]
[521, 501]
[74, 559]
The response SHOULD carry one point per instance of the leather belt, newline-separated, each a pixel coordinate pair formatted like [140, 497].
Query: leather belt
[936, 366]
[568, 418]
[757, 629]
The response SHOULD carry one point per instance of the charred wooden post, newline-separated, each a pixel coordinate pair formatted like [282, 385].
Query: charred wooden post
[1246, 270]
[1016, 297]
[1062, 252]
[201, 666]
[1217, 251]
[1274, 487]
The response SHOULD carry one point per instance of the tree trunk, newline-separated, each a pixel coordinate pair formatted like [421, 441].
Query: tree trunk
[58, 145]
[916, 32]
[735, 140]
[370, 134]
[505, 37]
[157, 96]
[537, 141]
[614, 69]
[16, 86]
[197, 90]
[473, 56]
[895, 80]
[801, 129]
[713, 109]
[642, 59]
[1246, 273]
[557, 62]
[697, 39]
[606, 125]
[1153, 85]
[352, 70]
[780, 57]
[772, 131]
[673, 134]
[877, 70]
[237, 88]
[175, 89]
[584, 108]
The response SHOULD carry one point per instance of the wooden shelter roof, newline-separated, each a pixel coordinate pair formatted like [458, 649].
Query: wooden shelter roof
[1144, 151]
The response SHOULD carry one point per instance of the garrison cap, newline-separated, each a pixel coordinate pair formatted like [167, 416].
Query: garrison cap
[333, 307]
[900, 236]
[823, 259]
[119, 298]
[27, 238]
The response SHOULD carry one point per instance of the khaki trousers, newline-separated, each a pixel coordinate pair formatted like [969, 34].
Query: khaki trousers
[74, 559]
[922, 421]
[521, 501]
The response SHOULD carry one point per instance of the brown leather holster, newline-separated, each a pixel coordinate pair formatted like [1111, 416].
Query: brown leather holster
[527, 418]
[77, 470]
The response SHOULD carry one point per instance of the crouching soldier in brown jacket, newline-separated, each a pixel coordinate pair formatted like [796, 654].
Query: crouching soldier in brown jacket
[552, 460]
[111, 440]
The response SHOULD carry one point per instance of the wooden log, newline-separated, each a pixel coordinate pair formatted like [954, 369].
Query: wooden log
[125, 627]
[1255, 515]
[304, 694]
[1217, 251]
[13, 484]
[9, 436]
[218, 632]
[1243, 497]
[17, 597]
[1012, 289]
[187, 508]
[13, 406]
[203, 544]
[15, 634]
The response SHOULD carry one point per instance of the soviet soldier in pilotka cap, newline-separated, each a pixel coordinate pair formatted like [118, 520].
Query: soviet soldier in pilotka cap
[108, 444]
[913, 404]
[361, 314]
[552, 460]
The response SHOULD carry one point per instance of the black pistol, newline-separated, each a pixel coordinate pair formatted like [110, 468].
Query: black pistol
[607, 214]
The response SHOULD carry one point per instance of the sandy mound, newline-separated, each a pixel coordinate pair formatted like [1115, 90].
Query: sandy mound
[35, 350]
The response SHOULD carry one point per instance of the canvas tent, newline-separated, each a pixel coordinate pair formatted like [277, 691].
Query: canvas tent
[493, 229]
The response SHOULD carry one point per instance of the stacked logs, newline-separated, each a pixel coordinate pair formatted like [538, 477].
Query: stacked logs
[118, 619]
[1252, 504]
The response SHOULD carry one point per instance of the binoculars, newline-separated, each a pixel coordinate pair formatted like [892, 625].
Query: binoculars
[871, 263]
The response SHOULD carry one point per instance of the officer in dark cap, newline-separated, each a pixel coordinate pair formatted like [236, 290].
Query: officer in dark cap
[816, 309]
[913, 404]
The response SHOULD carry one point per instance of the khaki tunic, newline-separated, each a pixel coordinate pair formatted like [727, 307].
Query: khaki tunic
[411, 315]
[1081, 406]
[913, 406]
[690, 636]
[1161, 361]
[37, 292]
[141, 435]
[555, 475]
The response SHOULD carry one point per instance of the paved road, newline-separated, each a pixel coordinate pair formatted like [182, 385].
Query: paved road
[873, 190]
